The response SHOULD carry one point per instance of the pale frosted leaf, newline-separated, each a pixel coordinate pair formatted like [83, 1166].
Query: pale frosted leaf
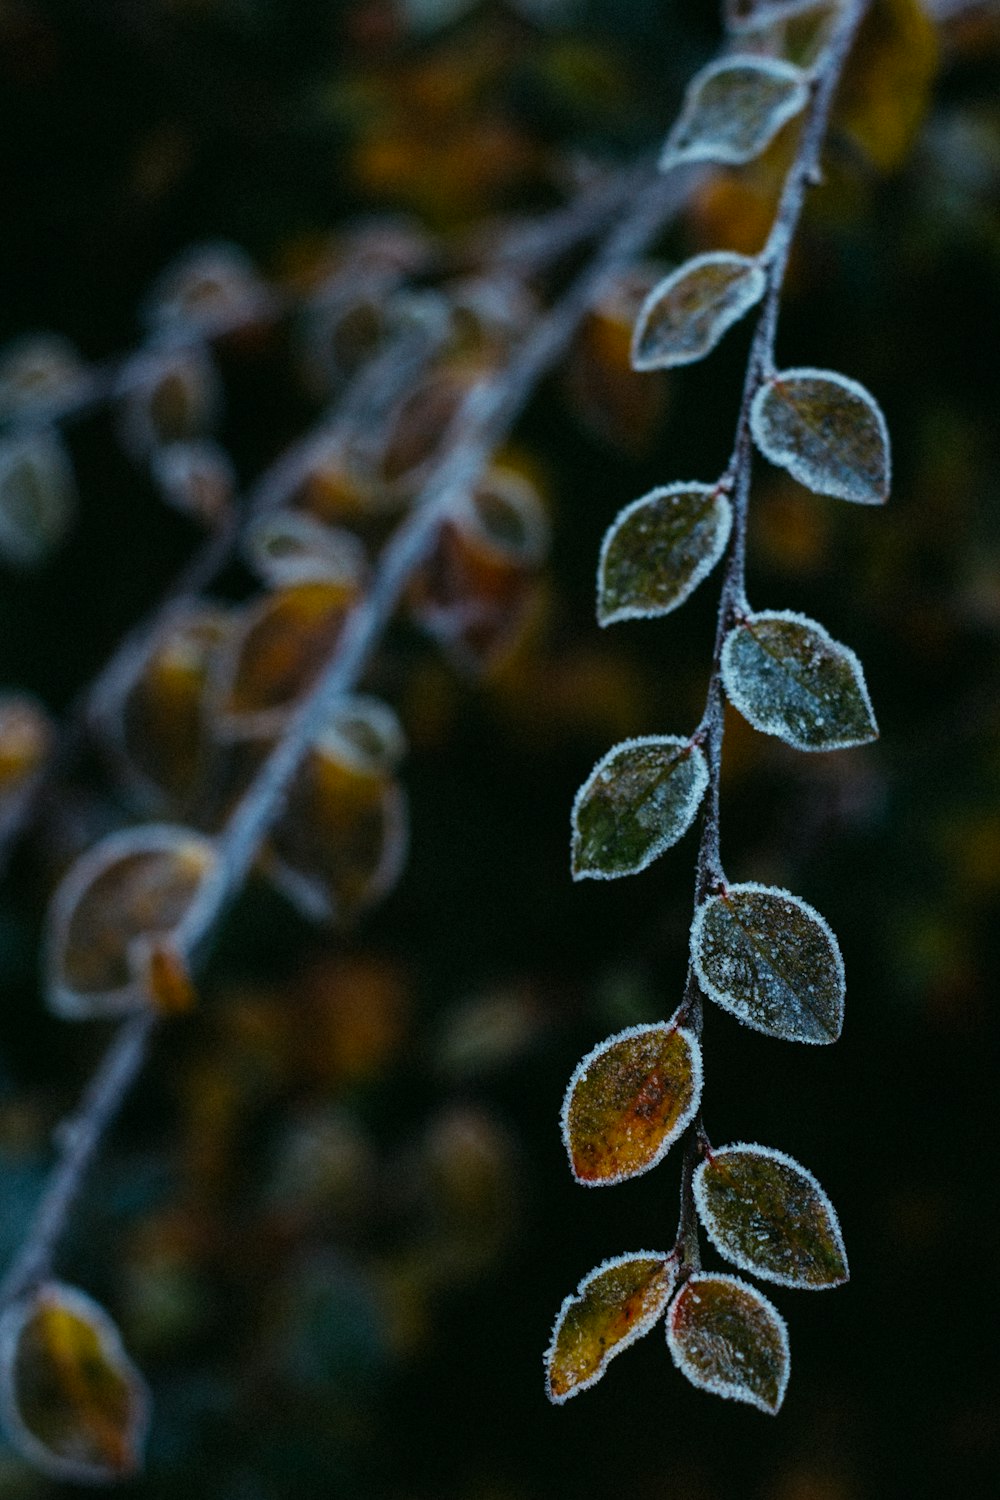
[614, 1305]
[790, 678]
[196, 477]
[41, 374]
[772, 961]
[827, 431]
[684, 317]
[72, 1401]
[37, 496]
[629, 1100]
[294, 547]
[749, 15]
[769, 1215]
[638, 800]
[131, 887]
[733, 109]
[208, 289]
[728, 1339]
[658, 549]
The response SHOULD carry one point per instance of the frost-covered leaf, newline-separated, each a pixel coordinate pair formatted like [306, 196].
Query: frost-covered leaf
[772, 961]
[40, 375]
[733, 109]
[195, 477]
[168, 395]
[728, 1339]
[340, 843]
[207, 289]
[768, 1215]
[37, 495]
[638, 800]
[72, 1401]
[789, 677]
[684, 317]
[827, 431]
[132, 887]
[658, 549]
[293, 547]
[629, 1100]
[614, 1305]
[749, 15]
[276, 653]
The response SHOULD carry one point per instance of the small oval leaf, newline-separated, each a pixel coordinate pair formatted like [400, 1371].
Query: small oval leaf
[132, 887]
[614, 1305]
[790, 678]
[629, 1100]
[769, 1215]
[770, 960]
[684, 317]
[72, 1401]
[37, 495]
[827, 431]
[638, 800]
[733, 109]
[728, 1339]
[658, 549]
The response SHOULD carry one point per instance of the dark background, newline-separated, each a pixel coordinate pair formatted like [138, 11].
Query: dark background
[385, 1339]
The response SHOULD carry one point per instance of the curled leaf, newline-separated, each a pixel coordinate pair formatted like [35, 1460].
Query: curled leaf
[684, 317]
[340, 843]
[658, 549]
[769, 1215]
[770, 960]
[207, 289]
[733, 109]
[790, 678]
[827, 431]
[132, 887]
[72, 1401]
[614, 1305]
[196, 478]
[37, 495]
[728, 1339]
[169, 395]
[638, 800]
[629, 1100]
[294, 547]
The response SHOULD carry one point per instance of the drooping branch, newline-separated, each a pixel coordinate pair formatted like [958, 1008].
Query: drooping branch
[804, 171]
[482, 423]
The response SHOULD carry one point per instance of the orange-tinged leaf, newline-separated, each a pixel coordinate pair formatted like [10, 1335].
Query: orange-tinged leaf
[284, 642]
[888, 85]
[728, 1339]
[26, 740]
[614, 1305]
[167, 977]
[629, 1100]
[136, 885]
[72, 1401]
[341, 841]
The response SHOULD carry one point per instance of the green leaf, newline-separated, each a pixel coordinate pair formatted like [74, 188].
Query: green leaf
[72, 1401]
[790, 678]
[658, 550]
[767, 1214]
[614, 1305]
[638, 800]
[728, 1339]
[686, 315]
[37, 495]
[772, 961]
[629, 1100]
[827, 431]
[733, 109]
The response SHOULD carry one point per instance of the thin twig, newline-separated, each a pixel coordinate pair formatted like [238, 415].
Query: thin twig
[483, 421]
